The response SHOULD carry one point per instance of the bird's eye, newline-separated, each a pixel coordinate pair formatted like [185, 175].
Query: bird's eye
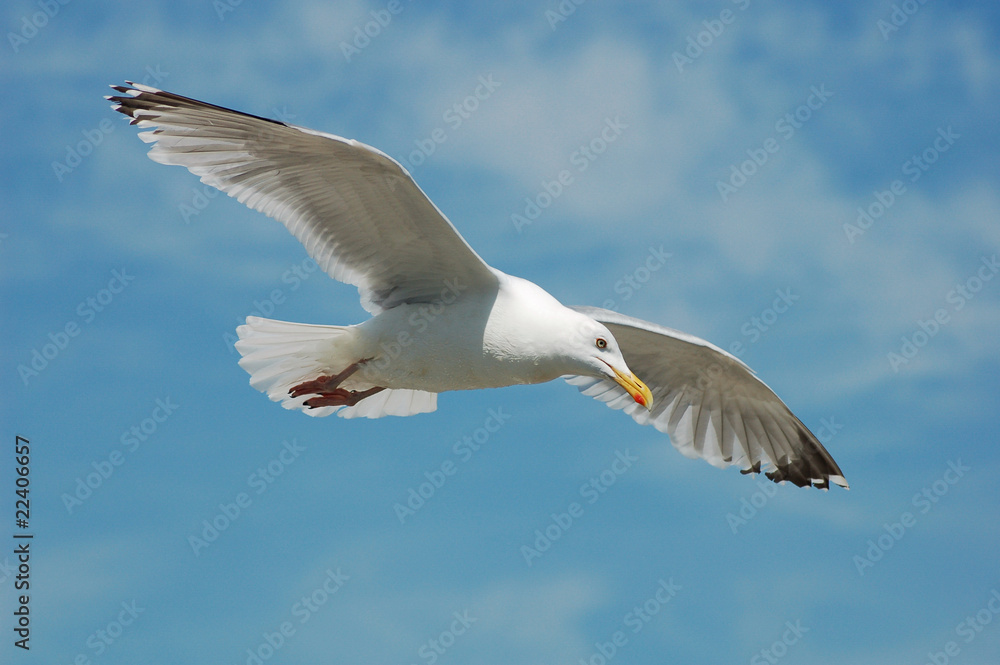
[601, 343]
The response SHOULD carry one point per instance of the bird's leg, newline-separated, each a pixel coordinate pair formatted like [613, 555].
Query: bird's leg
[324, 383]
[340, 397]
[328, 391]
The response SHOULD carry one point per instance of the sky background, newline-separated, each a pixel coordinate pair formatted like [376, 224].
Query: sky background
[888, 572]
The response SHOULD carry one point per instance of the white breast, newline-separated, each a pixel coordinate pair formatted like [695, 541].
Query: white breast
[474, 342]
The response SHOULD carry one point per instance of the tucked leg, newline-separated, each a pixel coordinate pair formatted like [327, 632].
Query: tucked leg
[328, 391]
[324, 383]
[340, 397]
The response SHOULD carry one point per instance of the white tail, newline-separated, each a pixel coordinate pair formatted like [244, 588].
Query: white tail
[279, 355]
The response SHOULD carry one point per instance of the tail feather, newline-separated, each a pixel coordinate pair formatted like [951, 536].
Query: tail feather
[279, 355]
[392, 403]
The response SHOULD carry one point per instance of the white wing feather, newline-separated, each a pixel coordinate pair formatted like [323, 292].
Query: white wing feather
[710, 404]
[358, 213]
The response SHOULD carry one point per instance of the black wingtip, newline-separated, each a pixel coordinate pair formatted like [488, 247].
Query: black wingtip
[136, 97]
[808, 471]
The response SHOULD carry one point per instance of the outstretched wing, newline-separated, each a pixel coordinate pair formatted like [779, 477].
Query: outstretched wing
[359, 214]
[710, 404]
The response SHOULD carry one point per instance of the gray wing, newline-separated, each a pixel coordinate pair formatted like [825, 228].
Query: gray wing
[710, 404]
[359, 214]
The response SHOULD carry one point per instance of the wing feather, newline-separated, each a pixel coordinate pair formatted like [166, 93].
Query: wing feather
[711, 404]
[357, 211]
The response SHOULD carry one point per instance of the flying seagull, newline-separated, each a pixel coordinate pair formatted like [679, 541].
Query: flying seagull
[442, 319]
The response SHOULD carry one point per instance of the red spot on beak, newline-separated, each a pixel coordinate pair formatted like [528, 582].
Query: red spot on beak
[640, 400]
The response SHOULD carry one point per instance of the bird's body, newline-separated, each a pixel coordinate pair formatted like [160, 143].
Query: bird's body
[443, 319]
[512, 334]
[489, 341]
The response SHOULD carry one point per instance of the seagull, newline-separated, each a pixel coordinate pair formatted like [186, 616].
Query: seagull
[442, 318]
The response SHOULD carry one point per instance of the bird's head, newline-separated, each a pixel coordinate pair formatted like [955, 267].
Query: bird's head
[597, 349]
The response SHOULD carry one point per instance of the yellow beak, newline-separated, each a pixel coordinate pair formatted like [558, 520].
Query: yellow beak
[636, 388]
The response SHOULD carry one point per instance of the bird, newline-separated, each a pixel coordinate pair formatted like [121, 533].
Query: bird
[442, 319]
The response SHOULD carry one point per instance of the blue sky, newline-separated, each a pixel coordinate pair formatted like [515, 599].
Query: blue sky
[838, 163]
